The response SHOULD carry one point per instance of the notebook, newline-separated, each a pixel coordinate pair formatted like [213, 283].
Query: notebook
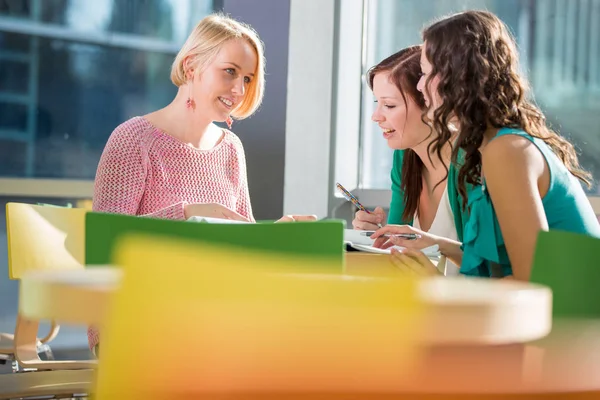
[358, 241]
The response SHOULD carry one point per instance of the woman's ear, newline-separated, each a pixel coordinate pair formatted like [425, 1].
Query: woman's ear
[188, 68]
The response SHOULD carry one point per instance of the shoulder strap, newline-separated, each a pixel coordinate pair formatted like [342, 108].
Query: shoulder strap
[397, 203]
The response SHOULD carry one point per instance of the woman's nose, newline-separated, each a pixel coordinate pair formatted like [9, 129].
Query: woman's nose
[376, 116]
[239, 87]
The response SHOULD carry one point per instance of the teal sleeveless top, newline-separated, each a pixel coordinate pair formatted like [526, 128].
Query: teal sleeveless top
[566, 207]
[456, 200]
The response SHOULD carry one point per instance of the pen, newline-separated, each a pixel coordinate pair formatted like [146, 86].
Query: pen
[351, 198]
[407, 236]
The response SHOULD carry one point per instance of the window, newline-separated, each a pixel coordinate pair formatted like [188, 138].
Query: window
[72, 70]
[559, 41]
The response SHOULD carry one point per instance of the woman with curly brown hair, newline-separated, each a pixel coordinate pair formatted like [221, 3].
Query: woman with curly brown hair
[425, 198]
[526, 176]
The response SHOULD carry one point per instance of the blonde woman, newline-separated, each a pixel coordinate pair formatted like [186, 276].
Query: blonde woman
[175, 163]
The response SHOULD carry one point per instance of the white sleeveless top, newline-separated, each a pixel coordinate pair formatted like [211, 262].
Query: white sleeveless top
[443, 225]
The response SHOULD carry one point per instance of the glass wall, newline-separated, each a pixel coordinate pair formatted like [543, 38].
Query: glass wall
[559, 42]
[72, 70]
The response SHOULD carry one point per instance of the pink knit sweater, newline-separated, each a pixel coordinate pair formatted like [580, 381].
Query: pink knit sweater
[144, 171]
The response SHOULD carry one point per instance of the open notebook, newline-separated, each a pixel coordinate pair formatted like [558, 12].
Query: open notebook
[211, 220]
[357, 240]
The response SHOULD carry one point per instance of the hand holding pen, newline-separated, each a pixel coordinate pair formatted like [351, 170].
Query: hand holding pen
[369, 221]
[404, 236]
[364, 219]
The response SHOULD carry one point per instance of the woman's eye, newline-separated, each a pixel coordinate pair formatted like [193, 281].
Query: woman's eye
[230, 71]
[388, 106]
[247, 80]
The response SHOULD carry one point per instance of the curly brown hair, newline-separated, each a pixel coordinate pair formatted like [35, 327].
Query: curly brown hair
[405, 71]
[475, 57]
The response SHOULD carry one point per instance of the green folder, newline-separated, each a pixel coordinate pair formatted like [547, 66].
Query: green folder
[318, 239]
[569, 263]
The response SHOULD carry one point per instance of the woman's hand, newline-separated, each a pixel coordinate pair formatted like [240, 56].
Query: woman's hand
[413, 262]
[369, 221]
[384, 237]
[296, 218]
[212, 210]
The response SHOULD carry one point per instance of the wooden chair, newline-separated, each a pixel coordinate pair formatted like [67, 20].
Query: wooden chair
[42, 238]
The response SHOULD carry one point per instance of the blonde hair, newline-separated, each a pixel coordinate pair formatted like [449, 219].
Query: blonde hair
[204, 43]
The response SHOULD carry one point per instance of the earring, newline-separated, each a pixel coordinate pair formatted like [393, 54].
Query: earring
[189, 103]
[229, 122]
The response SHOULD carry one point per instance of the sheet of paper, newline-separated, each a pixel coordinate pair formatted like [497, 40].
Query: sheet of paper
[431, 252]
[355, 237]
[211, 220]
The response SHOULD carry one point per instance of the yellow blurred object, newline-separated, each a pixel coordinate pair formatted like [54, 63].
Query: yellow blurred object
[234, 325]
[84, 203]
[42, 238]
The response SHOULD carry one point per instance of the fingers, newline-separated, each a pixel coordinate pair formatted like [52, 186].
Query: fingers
[406, 264]
[381, 242]
[380, 213]
[230, 214]
[368, 221]
[364, 226]
[391, 229]
[413, 262]
[387, 245]
[297, 218]
[417, 256]
[286, 218]
[399, 261]
[401, 242]
[304, 217]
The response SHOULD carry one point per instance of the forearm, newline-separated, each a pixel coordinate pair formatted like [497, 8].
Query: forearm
[175, 212]
[451, 249]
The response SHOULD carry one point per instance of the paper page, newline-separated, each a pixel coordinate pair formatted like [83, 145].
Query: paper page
[432, 252]
[211, 220]
[355, 237]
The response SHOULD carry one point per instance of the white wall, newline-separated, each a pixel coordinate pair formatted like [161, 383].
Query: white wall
[309, 96]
